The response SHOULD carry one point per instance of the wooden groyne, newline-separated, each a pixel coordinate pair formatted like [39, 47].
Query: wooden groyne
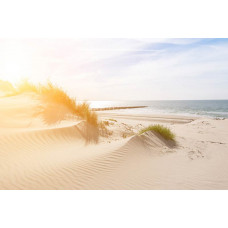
[116, 108]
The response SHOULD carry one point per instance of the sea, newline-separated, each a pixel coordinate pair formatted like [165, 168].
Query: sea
[205, 108]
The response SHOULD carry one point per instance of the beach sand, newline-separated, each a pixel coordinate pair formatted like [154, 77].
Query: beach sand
[34, 155]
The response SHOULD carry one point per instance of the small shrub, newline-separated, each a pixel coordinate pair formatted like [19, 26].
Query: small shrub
[124, 135]
[165, 132]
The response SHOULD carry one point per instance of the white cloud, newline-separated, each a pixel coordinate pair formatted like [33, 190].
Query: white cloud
[122, 68]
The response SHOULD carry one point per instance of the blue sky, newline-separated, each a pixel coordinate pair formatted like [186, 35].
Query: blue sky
[122, 69]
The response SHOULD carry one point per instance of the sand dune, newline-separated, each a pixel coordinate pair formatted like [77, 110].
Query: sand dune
[60, 159]
[34, 155]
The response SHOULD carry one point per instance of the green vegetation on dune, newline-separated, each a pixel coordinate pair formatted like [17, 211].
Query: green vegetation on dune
[113, 120]
[165, 132]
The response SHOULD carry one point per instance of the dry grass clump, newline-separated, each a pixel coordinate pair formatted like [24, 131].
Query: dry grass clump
[6, 88]
[124, 135]
[165, 132]
[106, 123]
[86, 113]
[91, 118]
[53, 94]
[113, 120]
[103, 130]
[26, 87]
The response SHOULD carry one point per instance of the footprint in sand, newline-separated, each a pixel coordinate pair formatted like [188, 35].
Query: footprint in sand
[195, 154]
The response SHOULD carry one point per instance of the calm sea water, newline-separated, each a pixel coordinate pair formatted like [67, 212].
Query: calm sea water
[209, 108]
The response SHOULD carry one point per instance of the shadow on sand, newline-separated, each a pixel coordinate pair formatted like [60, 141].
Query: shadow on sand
[54, 114]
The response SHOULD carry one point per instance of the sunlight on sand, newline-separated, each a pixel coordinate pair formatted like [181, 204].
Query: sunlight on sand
[70, 154]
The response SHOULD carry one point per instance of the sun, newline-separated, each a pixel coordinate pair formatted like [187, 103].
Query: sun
[15, 62]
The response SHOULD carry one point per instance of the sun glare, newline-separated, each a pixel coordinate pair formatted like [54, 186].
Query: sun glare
[15, 63]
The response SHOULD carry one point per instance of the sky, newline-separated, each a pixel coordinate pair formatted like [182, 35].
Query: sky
[121, 69]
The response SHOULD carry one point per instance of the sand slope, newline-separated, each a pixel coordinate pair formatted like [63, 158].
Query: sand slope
[34, 155]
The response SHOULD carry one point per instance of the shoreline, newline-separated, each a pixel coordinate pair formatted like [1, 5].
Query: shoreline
[149, 117]
[192, 108]
[161, 114]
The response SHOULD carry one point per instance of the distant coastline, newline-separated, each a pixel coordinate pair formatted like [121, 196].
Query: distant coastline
[117, 108]
[196, 108]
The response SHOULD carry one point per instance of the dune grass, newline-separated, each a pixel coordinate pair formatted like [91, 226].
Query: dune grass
[165, 132]
[113, 120]
[53, 94]
[24, 86]
[104, 131]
